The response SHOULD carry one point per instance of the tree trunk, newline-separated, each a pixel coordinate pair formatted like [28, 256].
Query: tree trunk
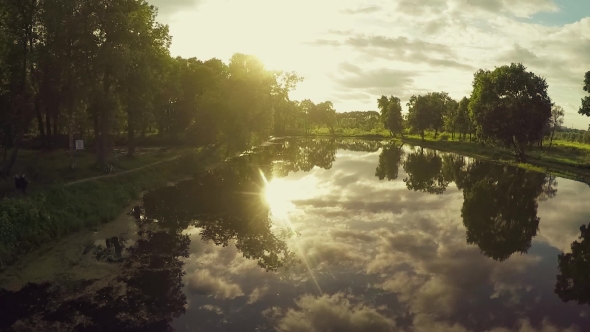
[435, 133]
[40, 120]
[48, 126]
[14, 153]
[104, 119]
[551, 139]
[96, 131]
[55, 135]
[130, 132]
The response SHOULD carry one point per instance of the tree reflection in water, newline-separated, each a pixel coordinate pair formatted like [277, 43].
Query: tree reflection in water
[225, 204]
[573, 280]
[500, 208]
[424, 171]
[500, 202]
[389, 162]
[146, 296]
[303, 155]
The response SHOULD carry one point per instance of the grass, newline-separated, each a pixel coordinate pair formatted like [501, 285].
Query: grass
[47, 168]
[55, 211]
[565, 159]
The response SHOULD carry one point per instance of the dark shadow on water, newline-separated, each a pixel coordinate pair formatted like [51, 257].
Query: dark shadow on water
[226, 205]
[573, 280]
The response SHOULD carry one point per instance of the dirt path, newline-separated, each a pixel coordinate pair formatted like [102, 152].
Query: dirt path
[120, 173]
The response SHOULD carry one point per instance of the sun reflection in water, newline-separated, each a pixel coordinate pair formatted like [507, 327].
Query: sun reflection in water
[280, 194]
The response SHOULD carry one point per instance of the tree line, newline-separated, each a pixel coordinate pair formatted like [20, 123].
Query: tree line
[508, 106]
[94, 70]
[100, 70]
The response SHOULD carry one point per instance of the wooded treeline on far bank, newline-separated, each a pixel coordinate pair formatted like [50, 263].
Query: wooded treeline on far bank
[101, 70]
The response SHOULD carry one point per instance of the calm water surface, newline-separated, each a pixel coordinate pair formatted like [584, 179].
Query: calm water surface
[336, 235]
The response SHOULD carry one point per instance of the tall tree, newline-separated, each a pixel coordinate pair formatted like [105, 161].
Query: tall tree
[510, 106]
[324, 114]
[19, 34]
[391, 114]
[555, 121]
[419, 115]
[462, 118]
[585, 108]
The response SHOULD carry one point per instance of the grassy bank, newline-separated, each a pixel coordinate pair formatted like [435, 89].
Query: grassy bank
[49, 168]
[565, 159]
[57, 210]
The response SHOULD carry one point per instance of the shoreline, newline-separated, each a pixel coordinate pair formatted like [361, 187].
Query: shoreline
[49, 216]
[577, 172]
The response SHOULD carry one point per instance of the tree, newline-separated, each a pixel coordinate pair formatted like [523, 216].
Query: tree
[500, 208]
[441, 107]
[573, 280]
[419, 115]
[428, 112]
[324, 114]
[148, 44]
[510, 106]
[389, 162]
[462, 118]
[585, 108]
[391, 114]
[555, 121]
[425, 172]
[19, 35]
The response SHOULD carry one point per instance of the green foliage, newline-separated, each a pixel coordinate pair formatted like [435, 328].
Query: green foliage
[463, 121]
[391, 114]
[430, 111]
[510, 105]
[585, 108]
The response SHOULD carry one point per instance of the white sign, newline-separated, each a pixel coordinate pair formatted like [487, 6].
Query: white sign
[79, 145]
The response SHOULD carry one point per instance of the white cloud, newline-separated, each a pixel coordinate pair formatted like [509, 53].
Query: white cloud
[332, 313]
[203, 283]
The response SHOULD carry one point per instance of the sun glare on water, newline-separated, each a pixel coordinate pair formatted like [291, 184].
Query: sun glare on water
[280, 194]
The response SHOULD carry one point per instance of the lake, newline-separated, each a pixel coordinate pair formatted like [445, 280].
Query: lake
[327, 235]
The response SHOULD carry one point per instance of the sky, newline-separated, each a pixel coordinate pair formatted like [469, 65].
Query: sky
[351, 52]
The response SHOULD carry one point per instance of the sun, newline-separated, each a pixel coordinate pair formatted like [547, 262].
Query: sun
[279, 196]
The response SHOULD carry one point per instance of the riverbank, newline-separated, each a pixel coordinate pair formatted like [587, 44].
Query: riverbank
[59, 210]
[563, 159]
